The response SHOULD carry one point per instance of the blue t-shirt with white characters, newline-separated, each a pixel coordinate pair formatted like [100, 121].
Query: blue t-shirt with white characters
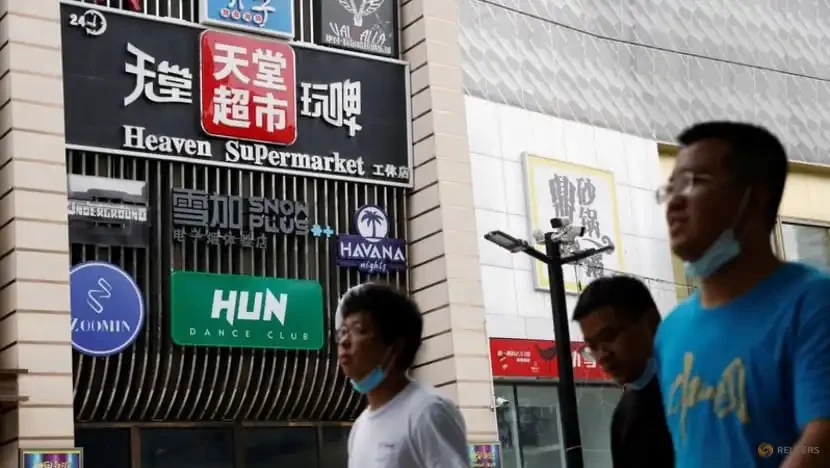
[740, 382]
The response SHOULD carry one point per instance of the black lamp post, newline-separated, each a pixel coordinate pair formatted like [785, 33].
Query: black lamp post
[552, 257]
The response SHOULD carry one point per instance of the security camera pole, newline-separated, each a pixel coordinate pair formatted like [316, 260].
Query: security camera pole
[568, 414]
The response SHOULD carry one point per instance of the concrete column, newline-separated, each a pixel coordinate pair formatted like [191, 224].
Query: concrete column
[445, 274]
[34, 249]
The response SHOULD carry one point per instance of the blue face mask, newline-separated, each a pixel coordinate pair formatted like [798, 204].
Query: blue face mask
[644, 379]
[374, 378]
[725, 249]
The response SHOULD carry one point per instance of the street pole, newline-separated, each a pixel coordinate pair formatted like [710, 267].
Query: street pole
[568, 412]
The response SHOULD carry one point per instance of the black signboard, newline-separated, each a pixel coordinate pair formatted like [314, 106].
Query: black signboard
[132, 86]
[221, 219]
[368, 26]
[111, 212]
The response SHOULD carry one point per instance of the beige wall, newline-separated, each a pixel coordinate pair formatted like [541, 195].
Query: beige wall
[34, 291]
[445, 278]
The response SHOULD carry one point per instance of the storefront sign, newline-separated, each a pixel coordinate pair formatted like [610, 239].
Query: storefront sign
[138, 89]
[218, 219]
[52, 458]
[370, 250]
[248, 88]
[245, 311]
[273, 17]
[485, 456]
[364, 25]
[105, 211]
[537, 358]
[106, 308]
[587, 197]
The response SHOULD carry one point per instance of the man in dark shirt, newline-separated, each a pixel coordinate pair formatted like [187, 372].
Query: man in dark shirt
[619, 319]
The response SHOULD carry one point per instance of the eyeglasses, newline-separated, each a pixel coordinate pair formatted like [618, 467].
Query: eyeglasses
[352, 332]
[683, 184]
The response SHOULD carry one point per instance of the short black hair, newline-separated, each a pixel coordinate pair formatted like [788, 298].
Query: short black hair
[628, 296]
[757, 157]
[395, 315]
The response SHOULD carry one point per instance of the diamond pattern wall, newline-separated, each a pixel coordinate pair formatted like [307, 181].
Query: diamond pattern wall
[651, 67]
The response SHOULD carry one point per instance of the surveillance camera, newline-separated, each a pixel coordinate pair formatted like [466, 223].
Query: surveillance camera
[501, 402]
[568, 234]
[538, 236]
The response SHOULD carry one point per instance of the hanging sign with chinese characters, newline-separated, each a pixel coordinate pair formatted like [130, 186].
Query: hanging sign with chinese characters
[250, 222]
[273, 17]
[363, 25]
[512, 357]
[587, 197]
[168, 91]
[370, 250]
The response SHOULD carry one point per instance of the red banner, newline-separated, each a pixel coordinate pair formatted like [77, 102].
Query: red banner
[511, 357]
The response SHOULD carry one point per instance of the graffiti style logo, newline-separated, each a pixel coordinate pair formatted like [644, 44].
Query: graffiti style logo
[370, 250]
[367, 7]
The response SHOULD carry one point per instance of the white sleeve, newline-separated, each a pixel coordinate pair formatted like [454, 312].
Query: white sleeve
[439, 436]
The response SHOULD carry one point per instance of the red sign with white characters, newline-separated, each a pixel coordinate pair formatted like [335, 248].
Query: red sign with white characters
[248, 88]
[537, 358]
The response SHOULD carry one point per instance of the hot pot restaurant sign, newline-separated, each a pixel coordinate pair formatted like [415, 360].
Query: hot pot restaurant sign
[150, 88]
[522, 358]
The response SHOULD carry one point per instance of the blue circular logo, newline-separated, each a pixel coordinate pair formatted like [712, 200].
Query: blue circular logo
[107, 309]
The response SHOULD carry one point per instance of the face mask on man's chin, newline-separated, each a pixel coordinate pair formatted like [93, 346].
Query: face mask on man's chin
[374, 377]
[723, 250]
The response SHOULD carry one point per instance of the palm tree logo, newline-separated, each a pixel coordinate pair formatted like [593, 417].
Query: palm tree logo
[371, 223]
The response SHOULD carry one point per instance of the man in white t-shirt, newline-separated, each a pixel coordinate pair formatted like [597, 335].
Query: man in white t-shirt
[406, 425]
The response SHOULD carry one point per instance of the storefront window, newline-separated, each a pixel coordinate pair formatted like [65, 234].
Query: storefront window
[281, 446]
[807, 244]
[596, 407]
[539, 426]
[529, 429]
[104, 448]
[508, 429]
[186, 448]
[334, 447]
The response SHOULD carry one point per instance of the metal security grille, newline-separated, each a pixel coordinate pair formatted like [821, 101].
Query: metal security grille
[155, 380]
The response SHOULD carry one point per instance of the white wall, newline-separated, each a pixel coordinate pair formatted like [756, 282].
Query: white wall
[498, 135]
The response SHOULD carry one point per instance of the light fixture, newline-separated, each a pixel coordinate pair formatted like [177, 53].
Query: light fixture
[506, 241]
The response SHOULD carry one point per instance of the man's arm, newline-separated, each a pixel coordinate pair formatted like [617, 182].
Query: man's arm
[439, 436]
[811, 373]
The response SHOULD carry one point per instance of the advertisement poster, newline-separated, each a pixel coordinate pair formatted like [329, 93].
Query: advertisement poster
[51, 458]
[587, 197]
[513, 357]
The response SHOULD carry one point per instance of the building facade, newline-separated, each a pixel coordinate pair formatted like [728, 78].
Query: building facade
[230, 169]
[572, 111]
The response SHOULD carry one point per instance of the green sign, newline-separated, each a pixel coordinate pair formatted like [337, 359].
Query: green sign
[245, 311]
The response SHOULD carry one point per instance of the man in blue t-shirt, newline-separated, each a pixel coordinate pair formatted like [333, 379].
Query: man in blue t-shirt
[743, 364]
